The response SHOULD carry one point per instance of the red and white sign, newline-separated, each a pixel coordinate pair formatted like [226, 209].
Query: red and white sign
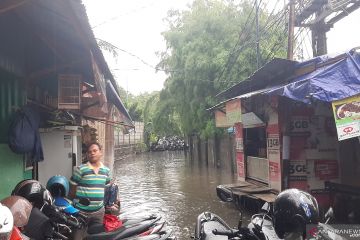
[349, 130]
[240, 164]
[326, 169]
[239, 144]
[274, 171]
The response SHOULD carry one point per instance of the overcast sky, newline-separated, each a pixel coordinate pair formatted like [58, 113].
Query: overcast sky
[136, 25]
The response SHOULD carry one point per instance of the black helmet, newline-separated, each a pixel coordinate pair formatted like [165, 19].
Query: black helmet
[293, 209]
[34, 192]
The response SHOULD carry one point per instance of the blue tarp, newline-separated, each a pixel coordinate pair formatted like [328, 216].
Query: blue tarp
[329, 82]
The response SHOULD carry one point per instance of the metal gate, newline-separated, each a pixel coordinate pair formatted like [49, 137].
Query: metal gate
[257, 169]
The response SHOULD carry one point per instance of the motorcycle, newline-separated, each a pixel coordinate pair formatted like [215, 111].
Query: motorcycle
[211, 226]
[50, 222]
[132, 228]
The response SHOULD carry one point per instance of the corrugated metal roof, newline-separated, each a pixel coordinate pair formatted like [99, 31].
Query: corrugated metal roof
[272, 73]
[246, 95]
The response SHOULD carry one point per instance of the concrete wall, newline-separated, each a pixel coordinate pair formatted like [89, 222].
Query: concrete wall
[219, 153]
[136, 136]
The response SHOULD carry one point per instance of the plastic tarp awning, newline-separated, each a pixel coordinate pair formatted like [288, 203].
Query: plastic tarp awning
[329, 82]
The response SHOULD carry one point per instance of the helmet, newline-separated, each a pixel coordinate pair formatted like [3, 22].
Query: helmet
[58, 186]
[6, 223]
[47, 197]
[20, 209]
[34, 192]
[293, 209]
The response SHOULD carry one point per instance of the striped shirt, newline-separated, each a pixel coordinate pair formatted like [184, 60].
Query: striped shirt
[90, 185]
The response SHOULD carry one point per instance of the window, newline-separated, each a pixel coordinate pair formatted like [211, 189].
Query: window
[255, 142]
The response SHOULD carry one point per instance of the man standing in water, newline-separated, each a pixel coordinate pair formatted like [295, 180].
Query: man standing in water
[89, 181]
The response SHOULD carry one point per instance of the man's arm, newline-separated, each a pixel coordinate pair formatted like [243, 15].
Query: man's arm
[74, 181]
[72, 192]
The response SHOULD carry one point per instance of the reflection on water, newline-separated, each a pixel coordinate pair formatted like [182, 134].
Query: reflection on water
[179, 189]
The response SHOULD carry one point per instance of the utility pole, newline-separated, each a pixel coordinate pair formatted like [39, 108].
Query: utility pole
[318, 38]
[320, 16]
[290, 50]
[257, 36]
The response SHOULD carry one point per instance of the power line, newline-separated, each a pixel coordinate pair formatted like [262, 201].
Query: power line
[124, 14]
[137, 57]
[266, 27]
[276, 20]
[300, 43]
[237, 43]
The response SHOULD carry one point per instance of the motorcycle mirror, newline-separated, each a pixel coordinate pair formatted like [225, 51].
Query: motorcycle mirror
[329, 214]
[266, 207]
[240, 221]
[224, 194]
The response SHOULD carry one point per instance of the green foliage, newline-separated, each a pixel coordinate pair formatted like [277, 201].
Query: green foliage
[140, 147]
[205, 54]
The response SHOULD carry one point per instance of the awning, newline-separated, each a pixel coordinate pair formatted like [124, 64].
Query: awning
[329, 82]
[330, 78]
[114, 97]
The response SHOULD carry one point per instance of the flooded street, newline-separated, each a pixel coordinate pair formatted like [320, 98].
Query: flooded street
[172, 186]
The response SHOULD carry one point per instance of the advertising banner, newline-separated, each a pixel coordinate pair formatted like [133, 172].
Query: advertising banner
[347, 117]
[221, 120]
[326, 169]
[297, 170]
[233, 111]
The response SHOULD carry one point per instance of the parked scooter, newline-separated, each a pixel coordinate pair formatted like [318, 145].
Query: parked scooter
[59, 185]
[47, 221]
[292, 210]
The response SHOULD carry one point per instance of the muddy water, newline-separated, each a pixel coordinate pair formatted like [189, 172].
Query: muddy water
[169, 184]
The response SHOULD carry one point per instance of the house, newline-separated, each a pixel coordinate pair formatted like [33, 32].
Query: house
[297, 125]
[50, 61]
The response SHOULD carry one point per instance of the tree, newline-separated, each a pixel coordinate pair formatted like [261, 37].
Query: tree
[206, 54]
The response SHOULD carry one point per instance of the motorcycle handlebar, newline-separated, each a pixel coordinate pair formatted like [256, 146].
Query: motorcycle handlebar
[60, 236]
[71, 223]
[58, 217]
[229, 233]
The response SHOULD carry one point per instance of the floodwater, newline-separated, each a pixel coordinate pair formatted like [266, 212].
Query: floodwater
[169, 184]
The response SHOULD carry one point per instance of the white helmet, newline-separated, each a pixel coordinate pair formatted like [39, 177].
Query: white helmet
[6, 223]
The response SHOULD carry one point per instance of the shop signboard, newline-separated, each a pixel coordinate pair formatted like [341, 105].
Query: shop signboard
[239, 144]
[347, 117]
[274, 171]
[300, 126]
[297, 170]
[326, 169]
[240, 164]
[221, 120]
[233, 111]
[273, 144]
